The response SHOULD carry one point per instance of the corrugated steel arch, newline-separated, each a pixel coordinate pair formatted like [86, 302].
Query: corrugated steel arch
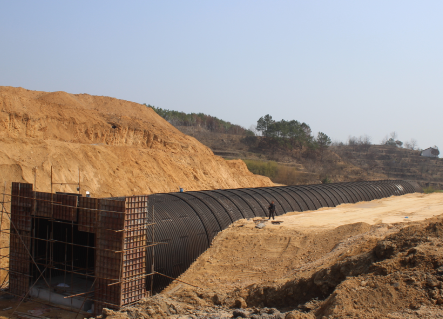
[327, 195]
[351, 194]
[311, 202]
[358, 194]
[281, 206]
[255, 206]
[350, 191]
[399, 187]
[350, 197]
[295, 205]
[210, 222]
[385, 189]
[298, 200]
[409, 186]
[187, 222]
[175, 221]
[239, 203]
[285, 203]
[339, 194]
[229, 205]
[218, 210]
[391, 189]
[262, 199]
[366, 190]
[310, 199]
[318, 195]
[376, 190]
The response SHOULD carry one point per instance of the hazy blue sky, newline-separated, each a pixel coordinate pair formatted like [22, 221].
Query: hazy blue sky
[343, 67]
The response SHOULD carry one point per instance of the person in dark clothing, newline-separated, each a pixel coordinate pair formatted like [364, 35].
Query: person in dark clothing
[271, 209]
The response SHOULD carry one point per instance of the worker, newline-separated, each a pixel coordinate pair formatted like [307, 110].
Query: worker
[271, 209]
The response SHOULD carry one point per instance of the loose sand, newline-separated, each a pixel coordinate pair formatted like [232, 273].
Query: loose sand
[411, 207]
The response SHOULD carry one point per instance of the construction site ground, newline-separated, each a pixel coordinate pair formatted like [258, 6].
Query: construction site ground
[378, 259]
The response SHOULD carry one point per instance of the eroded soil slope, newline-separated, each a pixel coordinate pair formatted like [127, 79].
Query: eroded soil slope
[120, 147]
[363, 260]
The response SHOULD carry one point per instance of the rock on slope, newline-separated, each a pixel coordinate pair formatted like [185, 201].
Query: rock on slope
[120, 147]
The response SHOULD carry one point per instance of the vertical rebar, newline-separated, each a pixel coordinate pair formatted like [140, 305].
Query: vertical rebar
[153, 251]
[66, 256]
[72, 255]
[1, 222]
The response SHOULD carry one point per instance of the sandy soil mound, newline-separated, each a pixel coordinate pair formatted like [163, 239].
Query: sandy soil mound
[350, 263]
[120, 147]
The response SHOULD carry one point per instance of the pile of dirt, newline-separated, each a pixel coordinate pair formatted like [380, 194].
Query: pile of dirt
[120, 147]
[363, 268]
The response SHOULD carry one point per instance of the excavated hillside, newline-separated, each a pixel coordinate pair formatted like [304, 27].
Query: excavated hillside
[120, 147]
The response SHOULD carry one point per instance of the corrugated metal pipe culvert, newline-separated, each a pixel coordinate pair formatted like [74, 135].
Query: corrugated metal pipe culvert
[187, 222]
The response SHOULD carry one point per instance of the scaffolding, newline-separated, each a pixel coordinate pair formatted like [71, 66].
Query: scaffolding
[79, 252]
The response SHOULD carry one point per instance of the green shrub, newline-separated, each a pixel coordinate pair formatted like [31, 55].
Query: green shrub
[268, 169]
[278, 173]
[430, 189]
[326, 180]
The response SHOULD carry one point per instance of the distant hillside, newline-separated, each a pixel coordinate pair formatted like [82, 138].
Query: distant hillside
[395, 163]
[200, 120]
[291, 167]
[287, 152]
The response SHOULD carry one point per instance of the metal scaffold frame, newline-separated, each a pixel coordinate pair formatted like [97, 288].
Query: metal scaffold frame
[44, 230]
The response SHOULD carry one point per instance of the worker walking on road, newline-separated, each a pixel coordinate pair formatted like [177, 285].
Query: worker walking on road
[271, 209]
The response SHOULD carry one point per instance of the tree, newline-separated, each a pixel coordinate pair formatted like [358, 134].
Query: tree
[323, 142]
[412, 144]
[392, 141]
[264, 123]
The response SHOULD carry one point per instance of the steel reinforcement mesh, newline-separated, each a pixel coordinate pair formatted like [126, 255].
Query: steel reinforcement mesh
[186, 223]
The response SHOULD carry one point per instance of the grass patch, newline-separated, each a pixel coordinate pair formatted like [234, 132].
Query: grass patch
[430, 189]
[269, 169]
[278, 173]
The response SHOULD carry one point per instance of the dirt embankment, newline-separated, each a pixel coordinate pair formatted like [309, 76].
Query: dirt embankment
[120, 147]
[353, 261]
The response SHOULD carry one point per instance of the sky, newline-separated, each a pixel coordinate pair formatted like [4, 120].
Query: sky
[346, 68]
